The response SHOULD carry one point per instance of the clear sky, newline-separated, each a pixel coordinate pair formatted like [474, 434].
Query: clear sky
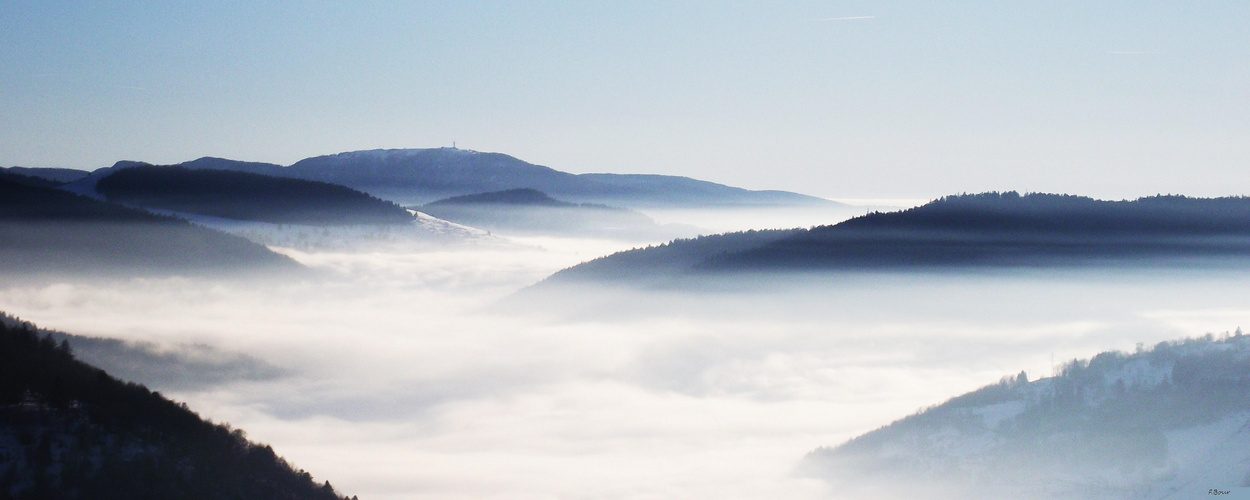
[836, 99]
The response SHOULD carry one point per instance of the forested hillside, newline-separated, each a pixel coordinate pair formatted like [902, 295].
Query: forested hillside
[70, 431]
[523, 211]
[55, 175]
[510, 197]
[45, 231]
[247, 196]
[1008, 229]
[28, 180]
[991, 230]
[670, 262]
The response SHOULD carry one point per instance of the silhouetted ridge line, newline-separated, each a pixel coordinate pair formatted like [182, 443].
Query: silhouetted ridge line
[1011, 212]
[964, 231]
[420, 176]
[669, 261]
[530, 211]
[46, 231]
[29, 180]
[55, 175]
[1008, 229]
[523, 196]
[247, 196]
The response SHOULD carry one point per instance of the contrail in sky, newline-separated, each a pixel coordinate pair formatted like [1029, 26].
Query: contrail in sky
[849, 18]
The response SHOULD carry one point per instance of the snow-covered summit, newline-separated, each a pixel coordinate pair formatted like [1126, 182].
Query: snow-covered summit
[385, 155]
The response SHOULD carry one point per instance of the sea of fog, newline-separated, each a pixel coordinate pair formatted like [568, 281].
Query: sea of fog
[414, 373]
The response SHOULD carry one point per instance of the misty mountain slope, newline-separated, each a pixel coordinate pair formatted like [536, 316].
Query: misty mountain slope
[963, 232]
[251, 167]
[169, 366]
[419, 176]
[669, 263]
[46, 231]
[1007, 229]
[27, 179]
[423, 175]
[57, 175]
[85, 186]
[416, 176]
[246, 196]
[70, 430]
[523, 197]
[420, 231]
[662, 190]
[530, 211]
[1166, 422]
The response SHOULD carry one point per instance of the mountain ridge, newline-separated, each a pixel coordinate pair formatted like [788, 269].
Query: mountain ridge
[417, 176]
[988, 230]
[519, 196]
[46, 231]
[240, 195]
[530, 211]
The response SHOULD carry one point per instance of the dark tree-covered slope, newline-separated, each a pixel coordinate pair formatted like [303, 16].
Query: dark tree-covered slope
[70, 431]
[57, 175]
[991, 229]
[670, 262]
[46, 231]
[212, 163]
[1008, 229]
[523, 196]
[29, 180]
[1037, 213]
[247, 196]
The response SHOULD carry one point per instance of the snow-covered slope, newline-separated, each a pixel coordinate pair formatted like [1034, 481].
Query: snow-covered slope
[1168, 422]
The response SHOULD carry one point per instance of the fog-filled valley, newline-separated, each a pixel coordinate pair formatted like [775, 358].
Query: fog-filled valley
[624, 250]
[433, 370]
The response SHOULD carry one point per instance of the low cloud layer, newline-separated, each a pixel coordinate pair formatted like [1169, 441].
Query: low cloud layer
[395, 375]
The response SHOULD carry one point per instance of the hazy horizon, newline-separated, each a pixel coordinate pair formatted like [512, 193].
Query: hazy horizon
[833, 99]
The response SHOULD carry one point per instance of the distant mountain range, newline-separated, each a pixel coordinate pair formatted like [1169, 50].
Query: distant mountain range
[965, 231]
[420, 176]
[55, 175]
[523, 197]
[671, 263]
[69, 430]
[246, 196]
[46, 231]
[530, 211]
[1167, 422]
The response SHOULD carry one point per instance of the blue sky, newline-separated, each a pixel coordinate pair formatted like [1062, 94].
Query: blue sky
[837, 99]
